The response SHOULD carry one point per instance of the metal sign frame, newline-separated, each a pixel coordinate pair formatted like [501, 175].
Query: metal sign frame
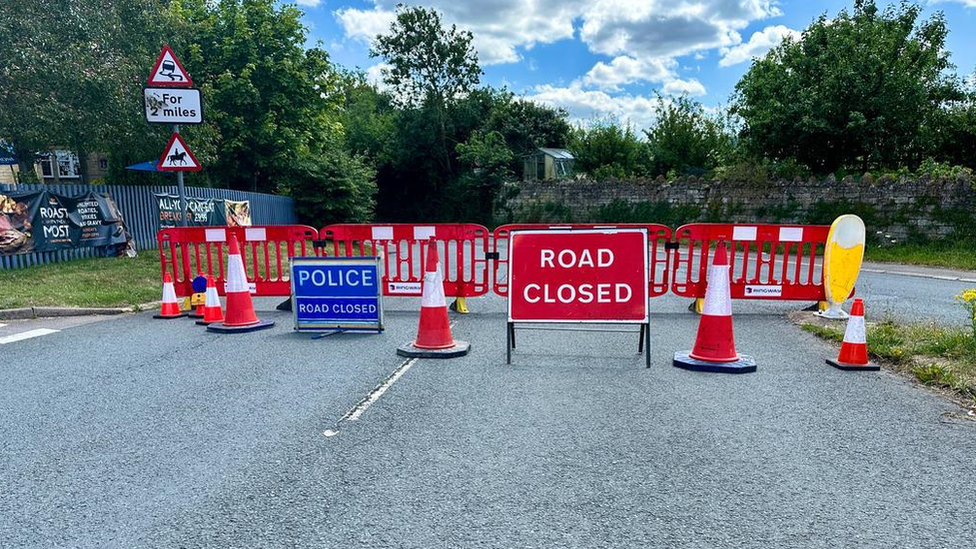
[645, 326]
[372, 327]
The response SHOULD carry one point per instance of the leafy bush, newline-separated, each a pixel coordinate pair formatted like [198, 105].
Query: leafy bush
[333, 188]
[685, 140]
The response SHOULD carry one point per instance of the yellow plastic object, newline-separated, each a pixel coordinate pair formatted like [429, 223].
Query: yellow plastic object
[843, 256]
[460, 306]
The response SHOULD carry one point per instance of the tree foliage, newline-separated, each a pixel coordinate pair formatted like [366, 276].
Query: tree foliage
[609, 150]
[685, 139]
[271, 101]
[428, 64]
[71, 72]
[854, 91]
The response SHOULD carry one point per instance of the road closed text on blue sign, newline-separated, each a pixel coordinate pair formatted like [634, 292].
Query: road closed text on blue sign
[336, 293]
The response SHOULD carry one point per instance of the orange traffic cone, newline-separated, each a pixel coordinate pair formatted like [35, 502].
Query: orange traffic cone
[211, 308]
[240, 315]
[171, 307]
[715, 344]
[434, 339]
[854, 350]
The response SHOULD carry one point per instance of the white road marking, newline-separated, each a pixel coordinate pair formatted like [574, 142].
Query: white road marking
[27, 335]
[375, 394]
[2, 325]
[356, 411]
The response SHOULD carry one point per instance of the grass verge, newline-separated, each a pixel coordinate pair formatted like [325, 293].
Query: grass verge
[938, 356]
[936, 255]
[96, 282]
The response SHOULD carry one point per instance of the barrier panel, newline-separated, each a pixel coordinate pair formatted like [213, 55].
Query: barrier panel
[463, 249]
[777, 262]
[658, 237]
[186, 252]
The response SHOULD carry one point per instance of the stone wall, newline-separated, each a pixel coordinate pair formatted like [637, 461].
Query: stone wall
[894, 208]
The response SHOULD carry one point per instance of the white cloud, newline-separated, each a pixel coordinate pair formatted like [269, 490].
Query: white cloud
[967, 3]
[499, 26]
[364, 25]
[684, 87]
[668, 28]
[308, 3]
[639, 29]
[588, 105]
[625, 70]
[757, 46]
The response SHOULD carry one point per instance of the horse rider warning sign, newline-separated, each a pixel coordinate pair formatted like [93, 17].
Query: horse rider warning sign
[177, 157]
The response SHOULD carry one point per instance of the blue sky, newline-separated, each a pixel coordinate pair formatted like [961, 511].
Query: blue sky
[607, 58]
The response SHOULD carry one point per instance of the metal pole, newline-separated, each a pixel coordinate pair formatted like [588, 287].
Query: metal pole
[181, 189]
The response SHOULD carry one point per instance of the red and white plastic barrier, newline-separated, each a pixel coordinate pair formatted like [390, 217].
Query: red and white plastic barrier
[779, 262]
[403, 247]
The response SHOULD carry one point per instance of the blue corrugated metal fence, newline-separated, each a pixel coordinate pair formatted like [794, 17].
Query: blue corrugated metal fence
[138, 205]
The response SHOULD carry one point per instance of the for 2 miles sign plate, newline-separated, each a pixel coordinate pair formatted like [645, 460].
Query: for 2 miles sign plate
[589, 275]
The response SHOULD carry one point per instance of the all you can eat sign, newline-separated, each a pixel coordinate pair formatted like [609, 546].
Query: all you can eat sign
[591, 275]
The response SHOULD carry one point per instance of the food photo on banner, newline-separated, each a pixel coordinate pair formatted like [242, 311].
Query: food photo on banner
[203, 212]
[42, 221]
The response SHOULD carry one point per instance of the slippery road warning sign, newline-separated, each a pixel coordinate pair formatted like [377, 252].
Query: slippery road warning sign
[591, 275]
[168, 71]
[177, 157]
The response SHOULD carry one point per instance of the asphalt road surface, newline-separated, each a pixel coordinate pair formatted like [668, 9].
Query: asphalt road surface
[133, 432]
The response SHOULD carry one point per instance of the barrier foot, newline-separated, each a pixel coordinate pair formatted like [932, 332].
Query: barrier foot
[744, 365]
[869, 367]
[697, 305]
[834, 312]
[460, 306]
[185, 306]
[284, 305]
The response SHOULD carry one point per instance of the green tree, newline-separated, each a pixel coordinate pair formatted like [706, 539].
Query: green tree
[71, 73]
[527, 125]
[854, 91]
[429, 67]
[334, 187]
[487, 159]
[686, 140]
[271, 102]
[607, 150]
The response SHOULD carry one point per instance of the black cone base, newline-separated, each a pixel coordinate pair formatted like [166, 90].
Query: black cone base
[460, 348]
[161, 317]
[220, 328]
[869, 367]
[744, 365]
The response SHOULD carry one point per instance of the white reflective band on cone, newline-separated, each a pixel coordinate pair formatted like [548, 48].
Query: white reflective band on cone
[855, 330]
[169, 293]
[718, 297]
[236, 278]
[433, 290]
[213, 298]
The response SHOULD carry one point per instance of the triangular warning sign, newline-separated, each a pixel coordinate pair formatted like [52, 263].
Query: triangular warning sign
[177, 157]
[168, 71]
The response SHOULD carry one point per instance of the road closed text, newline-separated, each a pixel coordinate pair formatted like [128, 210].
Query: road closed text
[581, 275]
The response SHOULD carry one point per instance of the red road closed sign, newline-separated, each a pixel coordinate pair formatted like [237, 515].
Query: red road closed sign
[591, 275]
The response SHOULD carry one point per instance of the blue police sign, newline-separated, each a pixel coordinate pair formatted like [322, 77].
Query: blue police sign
[336, 293]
